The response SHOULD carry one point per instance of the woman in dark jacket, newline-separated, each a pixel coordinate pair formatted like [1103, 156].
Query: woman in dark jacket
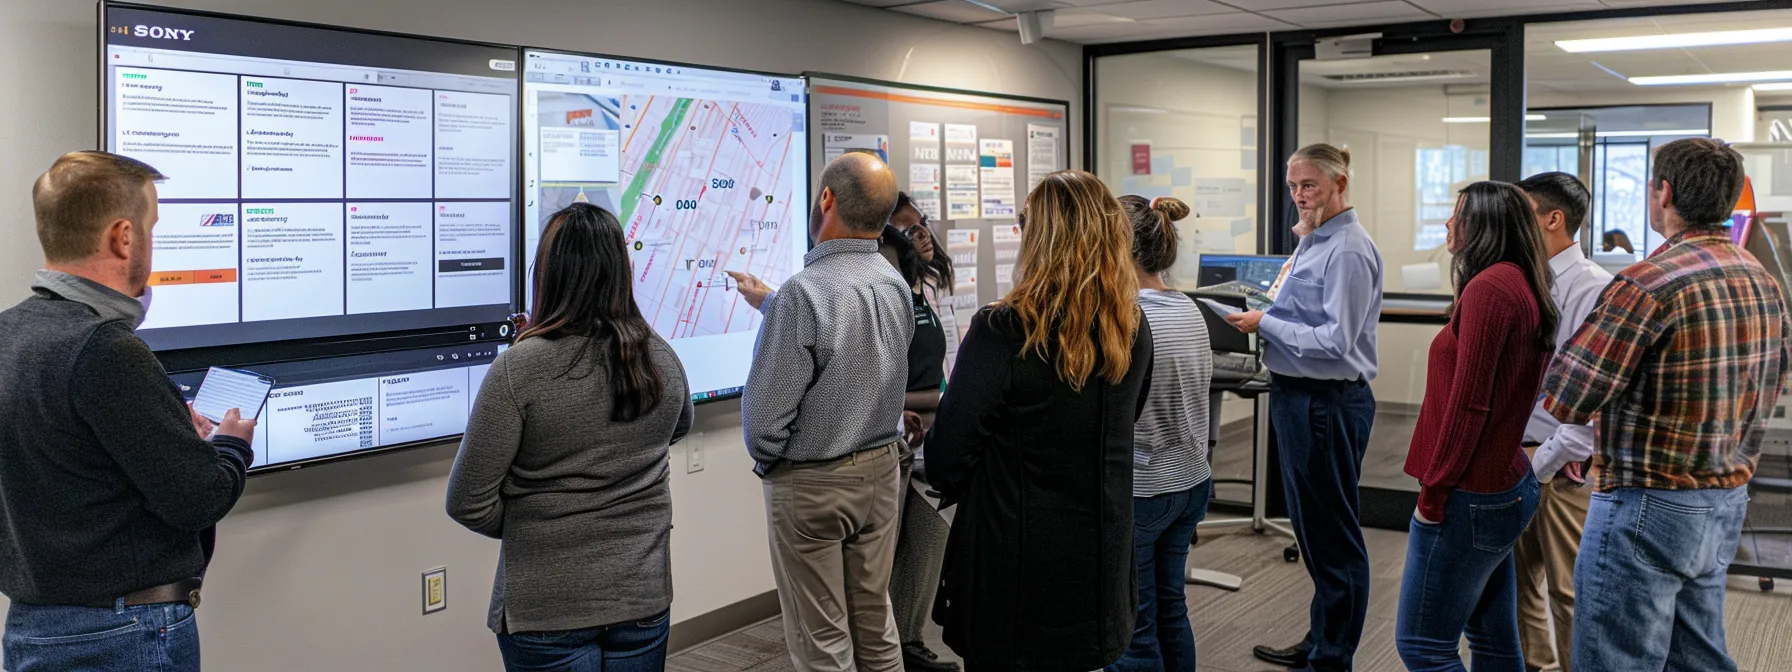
[1034, 440]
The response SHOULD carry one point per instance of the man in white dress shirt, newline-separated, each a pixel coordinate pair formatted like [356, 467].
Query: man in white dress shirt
[1546, 551]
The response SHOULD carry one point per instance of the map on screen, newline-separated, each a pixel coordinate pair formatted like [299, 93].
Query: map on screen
[707, 172]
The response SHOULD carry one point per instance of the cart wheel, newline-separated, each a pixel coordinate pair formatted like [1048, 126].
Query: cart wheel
[1291, 553]
[1766, 584]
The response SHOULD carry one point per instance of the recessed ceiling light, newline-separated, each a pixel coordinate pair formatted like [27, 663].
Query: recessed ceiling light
[1776, 86]
[1652, 133]
[1677, 40]
[1715, 78]
[1483, 120]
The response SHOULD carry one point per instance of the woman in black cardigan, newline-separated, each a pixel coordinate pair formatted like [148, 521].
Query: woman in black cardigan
[1033, 441]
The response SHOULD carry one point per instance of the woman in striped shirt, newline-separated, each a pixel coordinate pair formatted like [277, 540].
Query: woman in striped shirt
[1171, 477]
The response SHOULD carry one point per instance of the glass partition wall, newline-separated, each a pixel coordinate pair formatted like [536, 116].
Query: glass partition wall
[1184, 123]
[1426, 109]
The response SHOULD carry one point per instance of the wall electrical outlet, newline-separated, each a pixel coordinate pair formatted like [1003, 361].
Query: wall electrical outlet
[693, 452]
[435, 590]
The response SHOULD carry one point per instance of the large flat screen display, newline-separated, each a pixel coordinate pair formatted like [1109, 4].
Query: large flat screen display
[321, 410]
[321, 182]
[707, 171]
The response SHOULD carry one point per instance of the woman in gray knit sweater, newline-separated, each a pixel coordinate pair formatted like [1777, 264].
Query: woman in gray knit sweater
[565, 460]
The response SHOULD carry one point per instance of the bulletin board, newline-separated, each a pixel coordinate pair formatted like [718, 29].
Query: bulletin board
[967, 159]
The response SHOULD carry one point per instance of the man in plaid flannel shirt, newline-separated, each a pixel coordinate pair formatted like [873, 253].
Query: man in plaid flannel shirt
[1681, 362]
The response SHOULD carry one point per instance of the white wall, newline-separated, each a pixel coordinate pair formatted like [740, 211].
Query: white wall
[319, 569]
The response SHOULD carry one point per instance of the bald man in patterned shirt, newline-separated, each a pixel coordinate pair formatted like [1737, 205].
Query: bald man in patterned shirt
[821, 414]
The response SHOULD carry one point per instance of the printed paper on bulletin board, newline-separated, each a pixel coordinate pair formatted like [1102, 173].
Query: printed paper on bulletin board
[932, 131]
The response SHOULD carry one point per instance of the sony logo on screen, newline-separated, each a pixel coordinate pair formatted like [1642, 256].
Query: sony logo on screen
[160, 33]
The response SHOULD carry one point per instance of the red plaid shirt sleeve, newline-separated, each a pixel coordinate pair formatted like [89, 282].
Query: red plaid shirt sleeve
[1602, 358]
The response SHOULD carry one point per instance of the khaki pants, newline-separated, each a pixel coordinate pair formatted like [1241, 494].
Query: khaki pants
[1545, 554]
[833, 529]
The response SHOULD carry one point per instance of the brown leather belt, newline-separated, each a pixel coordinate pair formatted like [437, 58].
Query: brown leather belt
[185, 590]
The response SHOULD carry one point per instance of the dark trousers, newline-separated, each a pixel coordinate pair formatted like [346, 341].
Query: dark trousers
[1163, 527]
[1322, 428]
[631, 646]
[161, 637]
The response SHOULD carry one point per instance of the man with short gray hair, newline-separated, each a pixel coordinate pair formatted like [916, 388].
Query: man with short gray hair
[109, 485]
[821, 414]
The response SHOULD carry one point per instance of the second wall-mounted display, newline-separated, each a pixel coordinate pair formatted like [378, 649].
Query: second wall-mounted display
[705, 169]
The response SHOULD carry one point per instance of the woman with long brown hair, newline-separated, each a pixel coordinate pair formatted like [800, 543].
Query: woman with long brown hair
[565, 460]
[1034, 443]
[1476, 489]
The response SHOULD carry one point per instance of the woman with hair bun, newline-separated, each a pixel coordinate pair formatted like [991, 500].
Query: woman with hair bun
[1171, 479]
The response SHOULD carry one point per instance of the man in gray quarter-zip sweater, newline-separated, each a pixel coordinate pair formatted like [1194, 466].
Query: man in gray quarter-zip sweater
[109, 486]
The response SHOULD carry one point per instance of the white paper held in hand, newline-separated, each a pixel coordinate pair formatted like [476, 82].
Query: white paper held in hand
[1223, 309]
[225, 389]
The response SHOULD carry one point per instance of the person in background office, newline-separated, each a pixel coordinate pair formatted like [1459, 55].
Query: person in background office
[1615, 240]
[1319, 345]
[109, 485]
[565, 460]
[940, 276]
[1683, 360]
[1545, 553]
[1476, 491]
[1171, 479]
[921, 544]
[822, 414]
[1034, 443]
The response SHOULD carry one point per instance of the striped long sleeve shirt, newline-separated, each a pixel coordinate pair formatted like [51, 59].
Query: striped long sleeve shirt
[1170, 438]
[1683, 360]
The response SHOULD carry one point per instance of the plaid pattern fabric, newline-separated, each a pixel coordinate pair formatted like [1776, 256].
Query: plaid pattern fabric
[1682, 360]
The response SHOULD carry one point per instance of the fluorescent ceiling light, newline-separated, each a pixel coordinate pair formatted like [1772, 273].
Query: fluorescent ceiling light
[1715, 78]
[1623, 134]
[1138, 109]
[1677, 40]
[1483, 120]
[1652, 133]
[1776, 86]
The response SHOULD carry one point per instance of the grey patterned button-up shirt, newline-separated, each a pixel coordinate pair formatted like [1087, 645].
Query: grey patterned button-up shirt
[832, 359]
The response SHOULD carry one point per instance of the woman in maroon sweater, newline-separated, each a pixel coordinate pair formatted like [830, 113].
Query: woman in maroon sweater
[1477, 492]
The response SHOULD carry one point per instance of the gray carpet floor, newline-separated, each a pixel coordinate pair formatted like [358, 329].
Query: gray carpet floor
[1272, 608]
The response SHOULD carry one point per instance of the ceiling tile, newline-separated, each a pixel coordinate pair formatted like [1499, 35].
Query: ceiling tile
[1182, 26]
[1157, 9]
[1260, 5]
[1347, 15]
[1063, 19]
[1464, 9]
[1018, 6]
[1656, 3]
[1091, 3]
[955, 11]
[881, 3]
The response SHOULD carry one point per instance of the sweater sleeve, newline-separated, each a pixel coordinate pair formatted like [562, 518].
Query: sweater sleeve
[136, 413]
[968, 409]
[1489, 313]
[494, 435]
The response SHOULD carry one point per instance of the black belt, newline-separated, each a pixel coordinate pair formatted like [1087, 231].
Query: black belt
[1300, 383]
[184, 590]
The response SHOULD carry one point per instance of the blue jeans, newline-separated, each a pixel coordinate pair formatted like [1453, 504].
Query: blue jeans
[1322, 428]
[631, 646]
[155, 637]
[1162, 529]
[1649, 582]
[1461, 579]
